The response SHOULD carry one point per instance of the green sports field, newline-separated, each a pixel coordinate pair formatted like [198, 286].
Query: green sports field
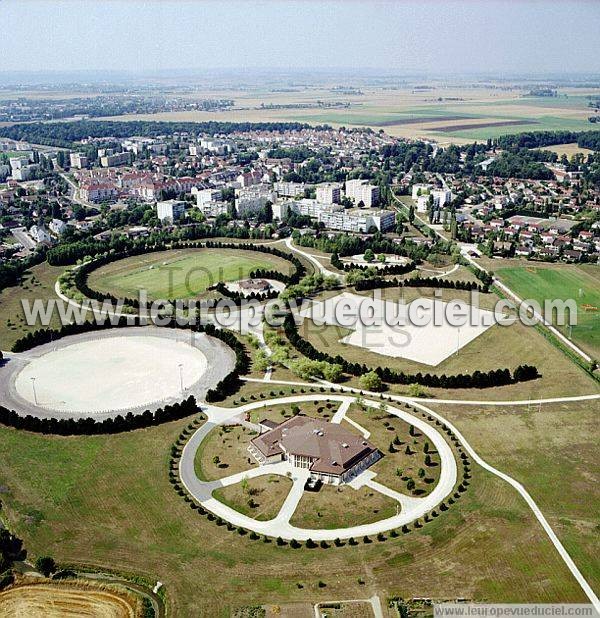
[180, 273]
[563, 281]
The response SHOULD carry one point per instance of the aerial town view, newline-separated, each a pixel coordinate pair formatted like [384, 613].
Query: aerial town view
[299, 309]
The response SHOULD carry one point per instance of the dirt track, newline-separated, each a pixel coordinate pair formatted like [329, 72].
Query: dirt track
[54, 600]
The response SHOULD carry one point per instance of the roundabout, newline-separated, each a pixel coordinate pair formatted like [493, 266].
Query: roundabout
[105, 373]
[408, 507]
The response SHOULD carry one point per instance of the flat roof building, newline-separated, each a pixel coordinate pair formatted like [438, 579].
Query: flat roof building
[171, 210]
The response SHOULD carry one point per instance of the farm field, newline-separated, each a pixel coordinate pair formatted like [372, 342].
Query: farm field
[44, 599]
[567, 149]
[106, 500]
[450, 114]
[562, 281]
[180, 273]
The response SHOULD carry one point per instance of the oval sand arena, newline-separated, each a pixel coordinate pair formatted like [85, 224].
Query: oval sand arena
[111, 373]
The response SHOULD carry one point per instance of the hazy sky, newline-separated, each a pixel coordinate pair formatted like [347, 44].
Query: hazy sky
[428, 35]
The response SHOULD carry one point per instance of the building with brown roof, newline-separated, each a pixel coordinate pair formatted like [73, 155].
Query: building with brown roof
[332, 453]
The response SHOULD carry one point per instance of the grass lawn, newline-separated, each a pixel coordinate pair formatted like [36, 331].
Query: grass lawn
[38, 282]
[497, 347]
[340, 507]
[553, 451]
[106, 500]
[260, 497]
[180, 273]
[279, 413]
[229, 444]
[408, 461]
[580, 282]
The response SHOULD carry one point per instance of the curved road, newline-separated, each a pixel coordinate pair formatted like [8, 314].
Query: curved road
[412, 508]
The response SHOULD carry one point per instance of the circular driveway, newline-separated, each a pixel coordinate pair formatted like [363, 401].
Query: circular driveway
[410, 507]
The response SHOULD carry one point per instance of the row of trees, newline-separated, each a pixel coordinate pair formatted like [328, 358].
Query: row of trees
[90, 426]
[231, 383]
[83, 272]
[477, 379]
[238, 297]
[419, 282]
[64, 134]
[388, 269]
[540, 139]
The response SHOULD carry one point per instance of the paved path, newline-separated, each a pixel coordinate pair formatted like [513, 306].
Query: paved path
[411, 508]
[402, 398]
[530, 502]
[341, 412]
[311, 258]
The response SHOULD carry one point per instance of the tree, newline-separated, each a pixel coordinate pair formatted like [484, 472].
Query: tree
[371, 381]
[369, 256]
[45, 565]
[411, 214]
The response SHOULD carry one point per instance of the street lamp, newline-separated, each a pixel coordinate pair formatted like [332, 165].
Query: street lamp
[181, 377]
[34, 393]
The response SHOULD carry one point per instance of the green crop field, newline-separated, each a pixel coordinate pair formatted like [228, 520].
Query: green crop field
[563, 281]
[181, 273]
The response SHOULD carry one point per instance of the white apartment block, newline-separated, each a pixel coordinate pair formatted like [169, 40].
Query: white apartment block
[329, 193]
[78, 160]
[358, 220]
[25, 172]
[216, 146]
[290, 189]
[113, 160]
[441, 197]
[251, 200]
[362, 191]
[16, 163]
[204, 196]
[213, 208]
[422, 203]
[312, 208]
[170, 210]
[420, 189]
[281, 210]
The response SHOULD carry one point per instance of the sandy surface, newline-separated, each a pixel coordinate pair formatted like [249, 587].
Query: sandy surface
[429, 344]
[53, 601]
[111, 373]
[390, 260]
[234, 286]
